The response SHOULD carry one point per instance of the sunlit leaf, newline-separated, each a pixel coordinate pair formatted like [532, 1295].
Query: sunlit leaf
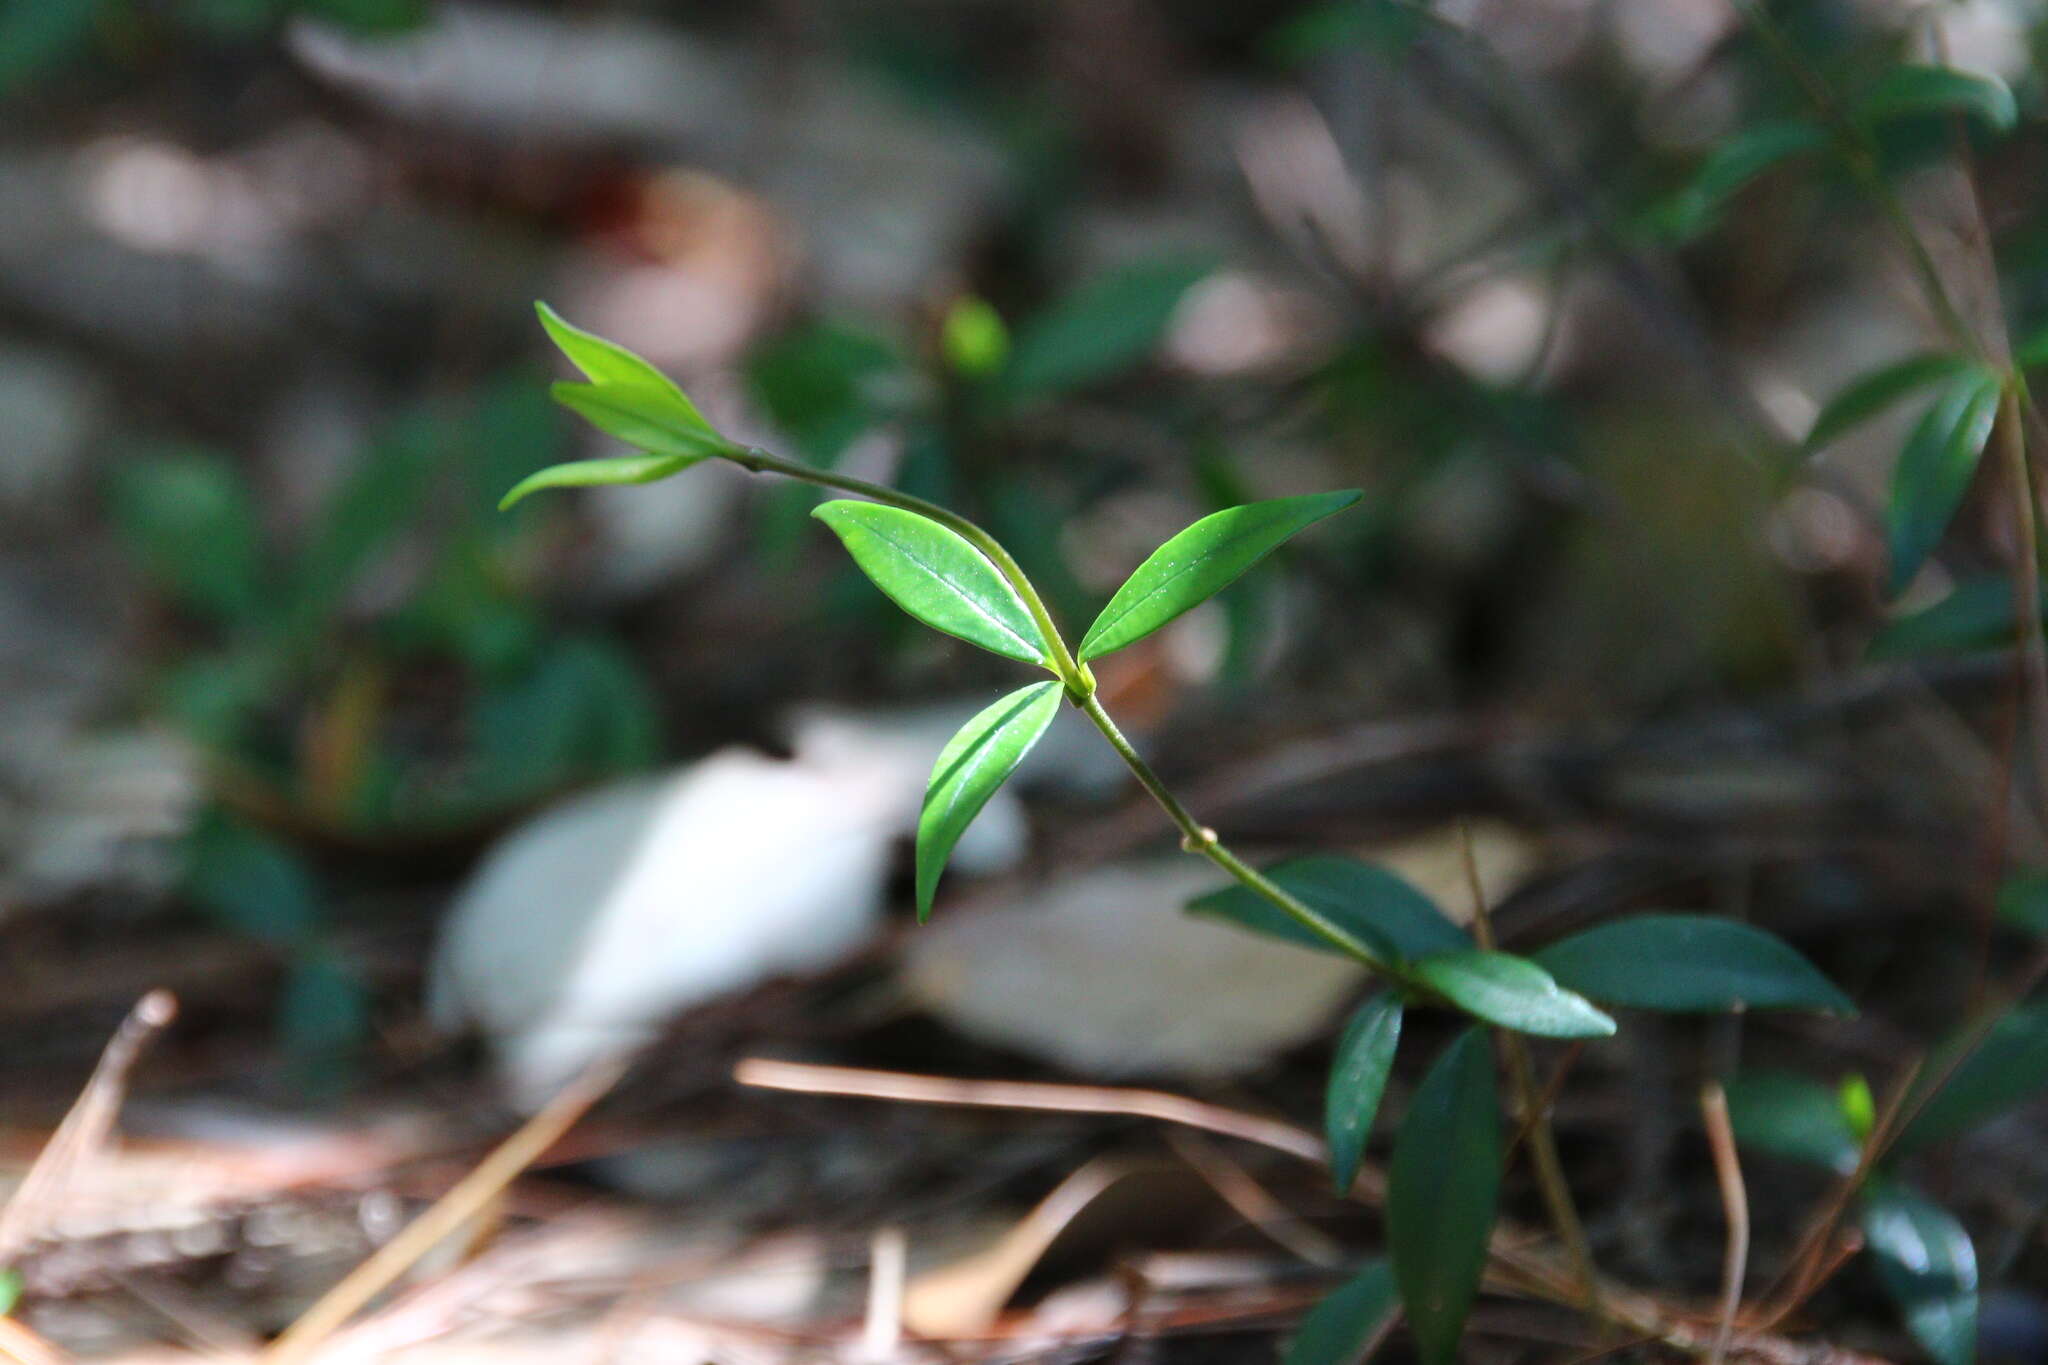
[2008, 1067]
[1690, 963]
[1101, 328]
[1734, 162]
[639, 417]
[1870, 394]
[972, 766]
[1792, 1117]
[1336, 1331]
[621, 469]
[1358, 1078]
[936, 576]
[1927, 1265]
[1200, 562]
[1442, 1185]
[1905, 90]
[1512, 992]
[1390, 919]
[973, 338]
[607, 364]
[1935, 469]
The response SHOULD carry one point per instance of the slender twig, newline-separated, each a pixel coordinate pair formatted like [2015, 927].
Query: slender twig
[1734, 1206]
[1535, 1113]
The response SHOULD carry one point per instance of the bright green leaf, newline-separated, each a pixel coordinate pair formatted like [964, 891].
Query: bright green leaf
[640, 417]
[1390, 919]
[1733, 163]
[1358, 1077]
[1512, 992]
[1858, 1106]
[11, 1286]
[972, 766]
[1337, 1330]
[1905, 90]
[1927, 1265]
[1792, 1117]
[607, 365]
[2008, 1067]
[1935, 469]
[1200, 562]
[1442, 1185]
[936, 576]
[1100, 328]
[1690, 964]
[598, 473]
[1870, 394]
[973, 338]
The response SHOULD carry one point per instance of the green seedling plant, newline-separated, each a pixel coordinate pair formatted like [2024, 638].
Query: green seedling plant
[1447, 1159]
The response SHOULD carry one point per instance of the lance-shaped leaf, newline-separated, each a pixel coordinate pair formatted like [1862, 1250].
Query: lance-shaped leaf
[1100, 328]
[972, 766]
[1870, 394]
[1935, 469]
[1388, 917]
[1358, 1078]
[1927, 1265]
[1690, 964]
[1512, 992]
[1336, 1331]
[1442, 1185]
[608, 364]
[1795, 1118]
[1733, 164]
[1976, 615]
[1200, 562]
[1908, 90]
[936, 576]
[598, 473]
[640, 417]
[2007, 1066]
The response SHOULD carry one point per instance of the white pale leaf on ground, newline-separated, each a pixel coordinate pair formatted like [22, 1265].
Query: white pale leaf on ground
[1102, 974]
[588, 927]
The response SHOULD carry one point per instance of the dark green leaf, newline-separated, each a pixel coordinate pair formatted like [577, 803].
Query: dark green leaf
[1100, 328]
[640, 417]
[1337, 1330]
[2008, 1067]
[1976, 615]
[1870, 394]
[972, 766]
[1935, 469]
[322, 1021]
[1200, 562]
[599, 473]
[1792, 1117]
[581, 710]
[378, 497]
[1690, 963]
[2023, 902]
[1442, 1185]
[607, 364]
[1733, 163]
[824, 386]
[1905, 90]
[2033, 352]
[190, 521]
[936, 576]
[1358, 1077]
[250, 882]
[1512, 992]
[1927, 1265]
[1385, 914]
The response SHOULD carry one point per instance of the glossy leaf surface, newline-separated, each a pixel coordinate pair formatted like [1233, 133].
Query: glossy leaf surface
[1690, 964]
[1372, 904]
[1336, 1331]
[621, 469]
[640, 417]
[1935, 469]
[1200, 562]
[1926, 1263]
[972, 766]
[1358, 1078]
[607, 364]
[1512, 992]
[936, 576]
[1442, 1187]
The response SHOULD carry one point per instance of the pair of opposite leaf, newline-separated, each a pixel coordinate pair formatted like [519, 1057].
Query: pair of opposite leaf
[931, 571]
